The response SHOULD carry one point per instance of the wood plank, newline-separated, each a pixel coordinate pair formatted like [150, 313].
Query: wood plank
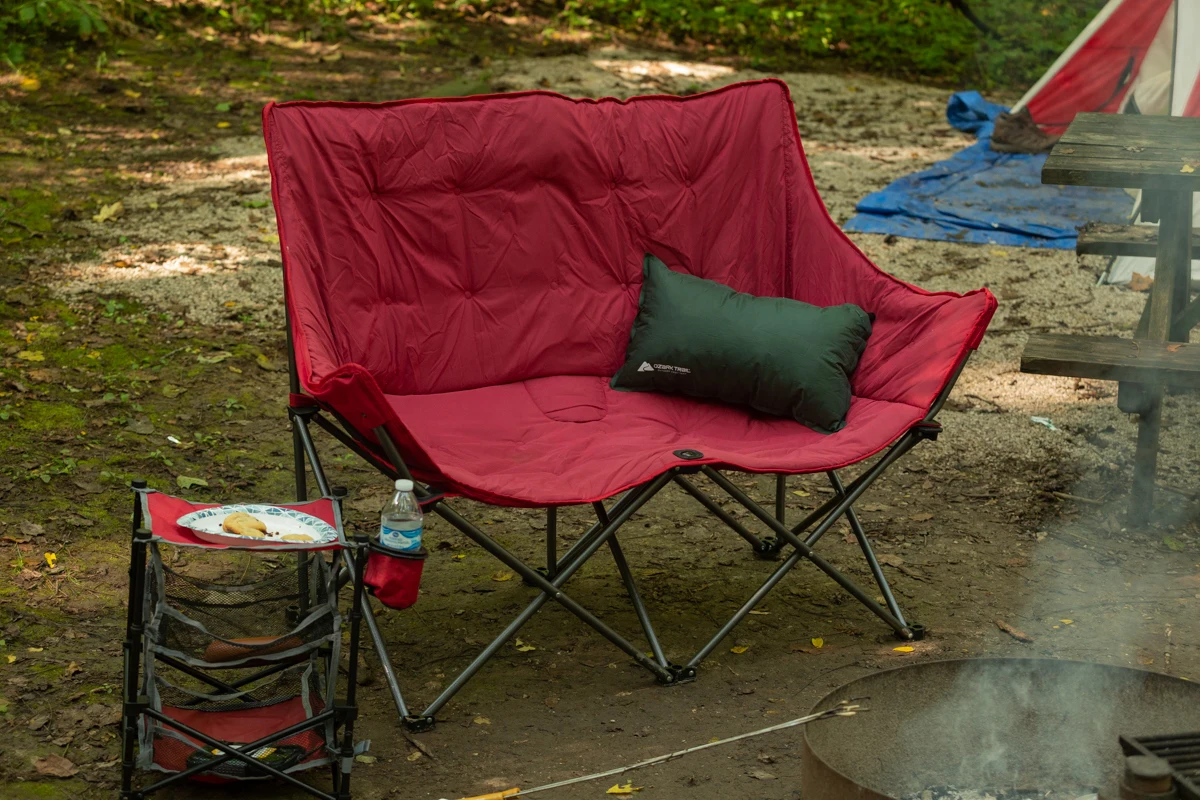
[1120, 173]
[1111, 358]
[1134, 128]
[1097, 238]
[1187, 153]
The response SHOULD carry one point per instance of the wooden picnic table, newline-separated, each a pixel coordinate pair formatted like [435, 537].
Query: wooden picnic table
[1155, 154]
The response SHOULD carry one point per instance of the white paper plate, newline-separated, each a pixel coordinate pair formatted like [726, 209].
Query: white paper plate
[206, 524]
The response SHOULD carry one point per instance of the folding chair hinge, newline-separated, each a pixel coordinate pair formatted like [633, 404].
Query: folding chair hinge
[913, 632]
[418, 723]
[768, 549]
[928, 430]
[135, 708]
[680, 673]
[434, 497]
[304, 412]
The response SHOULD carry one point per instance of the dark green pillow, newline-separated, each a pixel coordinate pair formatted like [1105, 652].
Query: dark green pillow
[700, 338]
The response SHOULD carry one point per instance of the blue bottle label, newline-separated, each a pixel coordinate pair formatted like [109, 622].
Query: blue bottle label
[398, 539]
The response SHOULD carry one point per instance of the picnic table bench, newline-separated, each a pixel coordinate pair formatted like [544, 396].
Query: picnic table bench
[1160, 154]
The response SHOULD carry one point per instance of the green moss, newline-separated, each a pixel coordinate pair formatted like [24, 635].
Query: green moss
[45, 417]
[31, 790]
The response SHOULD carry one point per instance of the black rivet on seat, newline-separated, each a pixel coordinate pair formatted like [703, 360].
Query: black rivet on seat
[689, 455]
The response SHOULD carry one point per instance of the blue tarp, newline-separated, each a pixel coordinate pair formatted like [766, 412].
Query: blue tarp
[985, 197]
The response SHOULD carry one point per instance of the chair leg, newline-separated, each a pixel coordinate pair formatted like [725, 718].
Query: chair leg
[780, 497]
[868, 552]
[832, 510]
[551, 589]
[631, 588]
[638, 606]
[389, 672]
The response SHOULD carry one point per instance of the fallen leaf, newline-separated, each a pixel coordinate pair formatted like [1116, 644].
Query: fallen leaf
[1001, 253]
[223, 106]
[758, 613]
[414, 755]
[482, 721]
[140, 425]
[922, 517]
[1187, 169]
[270, 238]
[30, 84]
[902, 649]
[460, 556]
[628, 788]
[131, 94]
[28, 578]
[502, 576]
[31, 355]
[739, 649]
[265, 363]
[35, 649]
[891, 560]
[1067, 621]
[365, 759]
[801, 493]
[1146, 661]
[31, 528]
[72, 669]
[11, 659]
[761, 775]
[818, 642]
[50, 559]
[1140, 282]
[170, 390]
[37, 723]
[222, 124]
[55, 766]
[1174, 348]
[872, 507]
[111, 211]
[1174, 544]
[214, 358]
[522, 647]
[186, 482]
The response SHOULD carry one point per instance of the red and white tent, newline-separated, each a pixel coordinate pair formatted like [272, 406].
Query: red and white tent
[1138, 56]
[1141, 51]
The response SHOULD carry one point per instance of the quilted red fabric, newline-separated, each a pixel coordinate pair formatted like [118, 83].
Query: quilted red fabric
[466, 271]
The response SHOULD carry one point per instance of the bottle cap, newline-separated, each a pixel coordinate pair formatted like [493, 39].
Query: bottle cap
[404, 486]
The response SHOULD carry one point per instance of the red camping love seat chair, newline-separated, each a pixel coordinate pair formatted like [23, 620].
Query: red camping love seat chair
[461, 278]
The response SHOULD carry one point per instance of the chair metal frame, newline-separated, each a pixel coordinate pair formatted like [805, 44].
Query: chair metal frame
[551, 578]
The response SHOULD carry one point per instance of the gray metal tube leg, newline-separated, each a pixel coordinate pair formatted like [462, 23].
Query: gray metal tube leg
[868, 552]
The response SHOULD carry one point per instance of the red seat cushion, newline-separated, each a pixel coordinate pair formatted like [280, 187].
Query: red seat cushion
[573, 439]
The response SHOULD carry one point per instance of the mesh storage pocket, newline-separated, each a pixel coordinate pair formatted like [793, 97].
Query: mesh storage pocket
[263, 705]
[227, 625]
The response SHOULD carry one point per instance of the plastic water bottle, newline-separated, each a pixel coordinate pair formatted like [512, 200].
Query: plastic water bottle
[401, 523]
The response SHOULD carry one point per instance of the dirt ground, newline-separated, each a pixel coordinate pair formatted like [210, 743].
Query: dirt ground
[151, 344]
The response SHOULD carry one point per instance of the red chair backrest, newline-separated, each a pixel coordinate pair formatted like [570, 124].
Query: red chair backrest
[452, 244]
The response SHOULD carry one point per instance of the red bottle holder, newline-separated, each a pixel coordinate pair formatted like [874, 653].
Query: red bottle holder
[394, 576]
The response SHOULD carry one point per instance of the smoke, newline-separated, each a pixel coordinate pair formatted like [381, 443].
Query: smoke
[1029, 724]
